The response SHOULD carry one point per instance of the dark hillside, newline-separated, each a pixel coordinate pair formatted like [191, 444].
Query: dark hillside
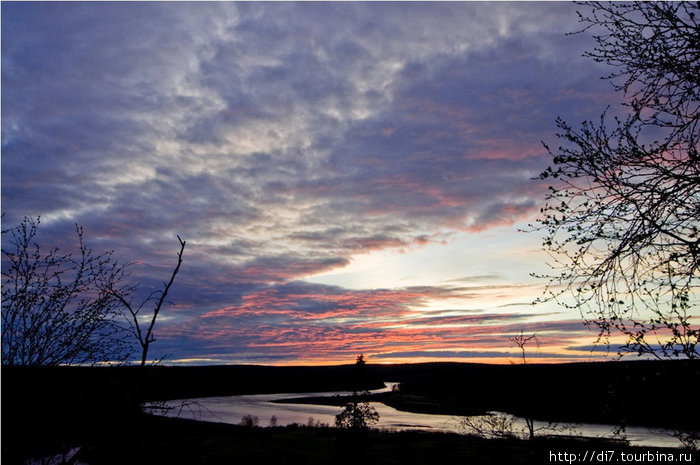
[650, 393]
[45, 409]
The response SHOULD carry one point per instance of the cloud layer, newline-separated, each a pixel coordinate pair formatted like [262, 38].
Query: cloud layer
[282, 140]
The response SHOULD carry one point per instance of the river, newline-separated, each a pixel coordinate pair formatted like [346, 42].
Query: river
[232, 410]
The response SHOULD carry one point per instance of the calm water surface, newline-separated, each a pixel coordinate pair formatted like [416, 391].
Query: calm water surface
[232, 409]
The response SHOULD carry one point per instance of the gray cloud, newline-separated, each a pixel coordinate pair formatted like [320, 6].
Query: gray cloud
[279, 139]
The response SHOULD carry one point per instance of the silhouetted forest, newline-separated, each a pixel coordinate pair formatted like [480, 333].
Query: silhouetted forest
[51, 408]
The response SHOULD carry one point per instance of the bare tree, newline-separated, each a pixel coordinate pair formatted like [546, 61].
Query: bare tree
[622, 218]
[520, 340]
[53, 310]
[249, 421]
[124, 294]
[490, 426]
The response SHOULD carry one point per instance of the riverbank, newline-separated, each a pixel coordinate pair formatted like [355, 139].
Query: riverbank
[50, 409]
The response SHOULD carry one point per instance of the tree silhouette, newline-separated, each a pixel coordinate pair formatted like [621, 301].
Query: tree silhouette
[622, 216]
[124, 294]
[357, 415]
[520, 340]
[54, 311]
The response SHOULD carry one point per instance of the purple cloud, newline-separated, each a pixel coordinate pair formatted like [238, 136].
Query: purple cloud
[280, 140]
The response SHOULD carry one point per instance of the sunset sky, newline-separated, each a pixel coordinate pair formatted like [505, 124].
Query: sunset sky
[350, 178]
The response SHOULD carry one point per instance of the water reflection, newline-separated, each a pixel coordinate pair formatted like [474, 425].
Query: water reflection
[232, 409]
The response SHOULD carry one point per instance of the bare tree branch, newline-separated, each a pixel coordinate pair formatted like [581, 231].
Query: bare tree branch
[622, 218]
[54, 309]
[123, 294]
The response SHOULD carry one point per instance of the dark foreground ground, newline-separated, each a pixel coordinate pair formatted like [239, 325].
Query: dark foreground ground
[46, 410]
